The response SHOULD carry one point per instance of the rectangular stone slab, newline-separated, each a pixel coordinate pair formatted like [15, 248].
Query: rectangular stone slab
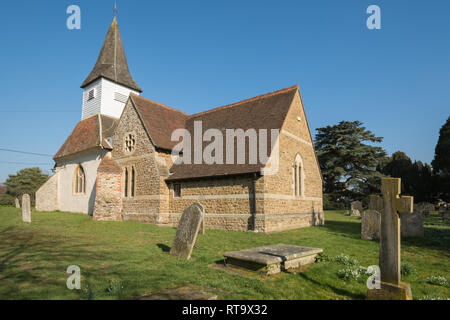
[272, 259]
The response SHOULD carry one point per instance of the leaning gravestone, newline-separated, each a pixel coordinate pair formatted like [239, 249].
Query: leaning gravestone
[391, 287]
[17, 202]
[370, 225]
[26, 208]
[356, 208]
[187, 231]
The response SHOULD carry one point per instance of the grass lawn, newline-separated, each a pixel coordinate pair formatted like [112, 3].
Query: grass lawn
[34, 258]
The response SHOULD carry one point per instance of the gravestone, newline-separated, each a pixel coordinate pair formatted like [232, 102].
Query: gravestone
[26, 208]
[444, 211]
[17, 202]
[370, 225]
[187, 231]
[391, 287]
[375, 203]
[412, 225]
[356, 208]
[424, 208]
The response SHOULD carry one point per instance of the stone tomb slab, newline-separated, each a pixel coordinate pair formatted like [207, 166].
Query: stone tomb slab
[272, 259]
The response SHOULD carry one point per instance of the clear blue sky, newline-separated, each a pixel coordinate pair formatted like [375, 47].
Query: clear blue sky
[195, 55]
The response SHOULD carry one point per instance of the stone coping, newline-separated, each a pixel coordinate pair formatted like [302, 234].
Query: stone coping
[274, 254]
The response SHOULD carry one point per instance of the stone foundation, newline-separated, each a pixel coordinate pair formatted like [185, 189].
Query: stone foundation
[240, 222]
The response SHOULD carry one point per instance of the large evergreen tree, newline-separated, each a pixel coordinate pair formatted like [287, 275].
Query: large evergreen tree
[416, 176]
[348, 160]
[26, 181]
[441, 163]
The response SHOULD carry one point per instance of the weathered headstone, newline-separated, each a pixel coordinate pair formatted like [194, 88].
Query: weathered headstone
[356, 208]
[444, 211]
[375, 203]
[187, 231]
[391, 287]
[424, 208]
[26, 208]
[356, 205]
[412, 225]
[370, 225]
[17, 202]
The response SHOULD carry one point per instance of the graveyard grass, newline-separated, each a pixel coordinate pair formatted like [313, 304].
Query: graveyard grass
[134, 258]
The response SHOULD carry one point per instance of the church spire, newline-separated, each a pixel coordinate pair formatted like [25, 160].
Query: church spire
[112, 62]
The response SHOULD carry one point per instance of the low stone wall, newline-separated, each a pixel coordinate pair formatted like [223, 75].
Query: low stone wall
[47, 195]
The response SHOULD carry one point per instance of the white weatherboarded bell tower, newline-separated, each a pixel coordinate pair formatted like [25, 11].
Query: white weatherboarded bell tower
[109, 84]
[105, 92]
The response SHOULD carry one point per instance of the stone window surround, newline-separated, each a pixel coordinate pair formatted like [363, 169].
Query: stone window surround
[79, 181]
[298, 177]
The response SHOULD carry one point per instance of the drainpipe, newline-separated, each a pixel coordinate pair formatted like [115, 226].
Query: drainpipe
[253, 203]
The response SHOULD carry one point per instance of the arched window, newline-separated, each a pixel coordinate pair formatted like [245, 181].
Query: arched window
[298, 177]
[133, 181]
[79, 183]
[125, 191]
[129, 182]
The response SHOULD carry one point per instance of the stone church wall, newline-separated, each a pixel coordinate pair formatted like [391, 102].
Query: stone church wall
[108, 200]
[283, 209]
[144, 205]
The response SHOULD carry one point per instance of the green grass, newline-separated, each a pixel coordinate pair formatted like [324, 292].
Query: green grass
[126, 259]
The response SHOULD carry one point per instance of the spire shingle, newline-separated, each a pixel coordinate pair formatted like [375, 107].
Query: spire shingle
[112, 62]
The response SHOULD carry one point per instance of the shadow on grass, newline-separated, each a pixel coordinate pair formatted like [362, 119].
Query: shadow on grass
[347, 228]
[32, 264]
[434, 238]
[339, 291]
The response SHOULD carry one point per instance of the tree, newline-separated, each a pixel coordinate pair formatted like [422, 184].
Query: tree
[441, 162]
[417, 179]
[399, 165]
[349, 165]
[26, 181]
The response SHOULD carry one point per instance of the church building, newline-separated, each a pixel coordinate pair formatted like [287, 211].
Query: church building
[123, 161]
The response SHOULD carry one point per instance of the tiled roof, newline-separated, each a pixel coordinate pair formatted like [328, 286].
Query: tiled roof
[159, 121]
[112, 61]
[87, 135]
[262, 112]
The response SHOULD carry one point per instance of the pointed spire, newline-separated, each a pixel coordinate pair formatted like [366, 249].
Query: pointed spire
[112, 62]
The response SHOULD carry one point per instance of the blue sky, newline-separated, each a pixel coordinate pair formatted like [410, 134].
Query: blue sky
[196, 55]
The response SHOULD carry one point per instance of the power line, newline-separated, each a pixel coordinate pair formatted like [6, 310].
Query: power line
[40, 111]
[25, 152]
[27, 163]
